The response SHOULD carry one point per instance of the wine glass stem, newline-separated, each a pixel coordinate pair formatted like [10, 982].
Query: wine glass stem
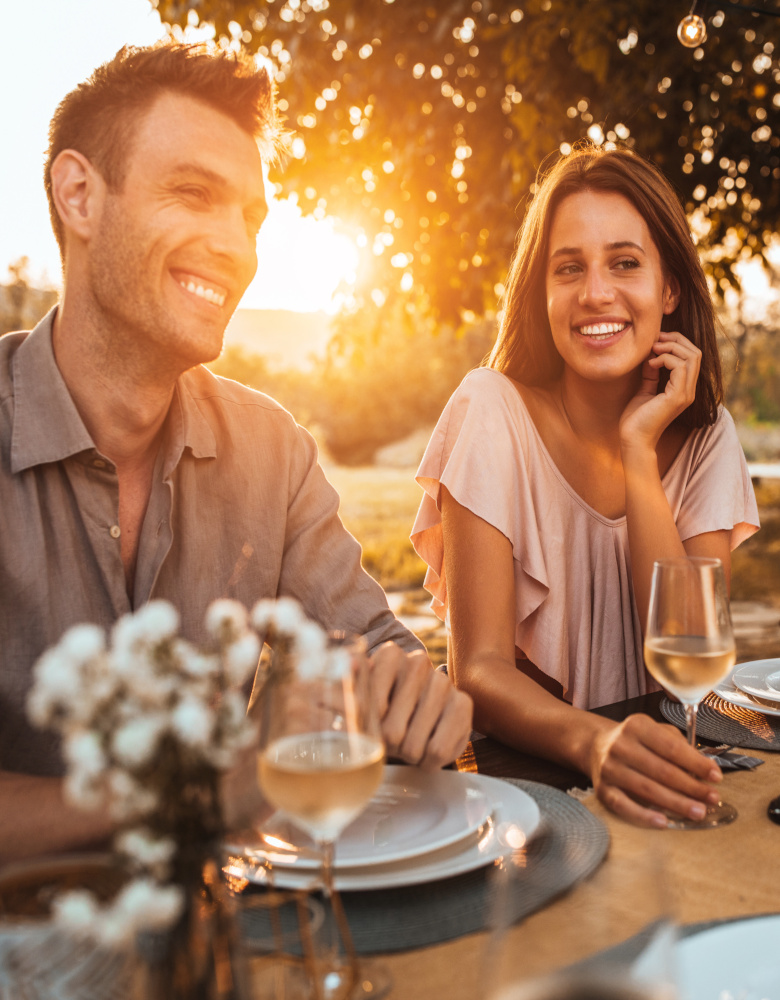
[337, 934]
[691, 712]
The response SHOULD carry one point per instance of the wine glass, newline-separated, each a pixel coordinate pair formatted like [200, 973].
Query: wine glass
[689, 646]
[321, 759]
[612, 937]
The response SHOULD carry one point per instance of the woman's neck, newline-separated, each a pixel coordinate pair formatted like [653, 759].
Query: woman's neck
[592, 410]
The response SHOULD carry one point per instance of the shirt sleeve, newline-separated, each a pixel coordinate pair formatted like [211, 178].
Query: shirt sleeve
[321, 565]
[718, 493]
[479, 451]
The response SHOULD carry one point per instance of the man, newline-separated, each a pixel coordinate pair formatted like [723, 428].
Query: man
[130, 472]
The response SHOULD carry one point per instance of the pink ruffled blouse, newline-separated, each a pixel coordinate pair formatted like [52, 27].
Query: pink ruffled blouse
[576, 616]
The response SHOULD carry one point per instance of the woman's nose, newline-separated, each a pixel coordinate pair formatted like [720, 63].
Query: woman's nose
[596, 288]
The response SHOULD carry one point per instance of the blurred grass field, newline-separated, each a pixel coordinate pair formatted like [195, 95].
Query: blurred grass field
[379, 504]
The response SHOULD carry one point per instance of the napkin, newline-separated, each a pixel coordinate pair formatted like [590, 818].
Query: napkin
[733, 760]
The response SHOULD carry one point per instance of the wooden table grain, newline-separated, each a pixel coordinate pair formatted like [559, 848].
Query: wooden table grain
[729, 872]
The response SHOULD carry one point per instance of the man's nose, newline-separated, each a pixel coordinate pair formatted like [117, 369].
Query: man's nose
[231, 237]
[597, 287]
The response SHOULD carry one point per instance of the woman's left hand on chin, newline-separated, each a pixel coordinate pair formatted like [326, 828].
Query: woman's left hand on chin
[649, 413]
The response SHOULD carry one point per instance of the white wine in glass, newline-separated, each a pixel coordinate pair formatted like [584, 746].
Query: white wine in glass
[321, 759]
[689, 646]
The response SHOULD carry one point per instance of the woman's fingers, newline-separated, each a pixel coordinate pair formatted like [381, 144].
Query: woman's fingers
[644, 767]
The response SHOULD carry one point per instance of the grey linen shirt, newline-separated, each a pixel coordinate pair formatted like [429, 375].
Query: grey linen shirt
[239, 508]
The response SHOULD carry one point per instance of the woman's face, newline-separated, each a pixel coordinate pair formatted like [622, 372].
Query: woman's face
[606, 288]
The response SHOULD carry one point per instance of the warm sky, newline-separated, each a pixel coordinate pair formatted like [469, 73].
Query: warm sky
[48, 48]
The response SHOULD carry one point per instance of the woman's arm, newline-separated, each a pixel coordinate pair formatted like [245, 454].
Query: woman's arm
[638, 759]
[652, 532]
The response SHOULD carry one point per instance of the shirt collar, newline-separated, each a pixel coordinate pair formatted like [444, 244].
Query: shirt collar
[47, 426]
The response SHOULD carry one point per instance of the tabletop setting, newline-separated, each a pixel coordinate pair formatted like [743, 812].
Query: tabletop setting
[500, 877]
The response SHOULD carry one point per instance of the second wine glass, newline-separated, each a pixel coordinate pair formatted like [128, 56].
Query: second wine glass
[689, 646]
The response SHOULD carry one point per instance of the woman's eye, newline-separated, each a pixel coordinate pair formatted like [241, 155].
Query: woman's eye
[565, 269]
[627, 264]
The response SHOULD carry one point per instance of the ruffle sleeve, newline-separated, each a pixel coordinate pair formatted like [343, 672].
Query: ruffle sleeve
[718, 494]
[478, 451]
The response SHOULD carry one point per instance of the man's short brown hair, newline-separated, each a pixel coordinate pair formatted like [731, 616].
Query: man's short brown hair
[99, 117]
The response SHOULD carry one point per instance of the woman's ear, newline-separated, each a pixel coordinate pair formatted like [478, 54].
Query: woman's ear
[77, 192]
[671, 294]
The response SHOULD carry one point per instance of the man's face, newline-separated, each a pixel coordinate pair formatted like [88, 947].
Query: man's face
[174, 250]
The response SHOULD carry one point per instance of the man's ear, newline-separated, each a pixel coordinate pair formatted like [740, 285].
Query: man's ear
[77, 191]
[671, 294]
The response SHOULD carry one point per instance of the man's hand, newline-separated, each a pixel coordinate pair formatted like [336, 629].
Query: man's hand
[425, 720]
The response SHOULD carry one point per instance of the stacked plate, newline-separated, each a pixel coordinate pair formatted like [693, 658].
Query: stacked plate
[754, 685]
[418, 827]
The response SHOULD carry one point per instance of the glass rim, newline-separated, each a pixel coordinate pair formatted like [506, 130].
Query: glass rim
[688, 560]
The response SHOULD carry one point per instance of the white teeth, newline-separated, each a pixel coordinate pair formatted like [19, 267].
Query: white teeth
[204, 293]
[602, 329]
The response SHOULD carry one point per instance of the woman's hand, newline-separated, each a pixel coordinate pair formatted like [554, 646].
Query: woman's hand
[641, 767]
[649, 413]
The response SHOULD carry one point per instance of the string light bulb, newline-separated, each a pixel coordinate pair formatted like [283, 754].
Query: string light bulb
[692, 31]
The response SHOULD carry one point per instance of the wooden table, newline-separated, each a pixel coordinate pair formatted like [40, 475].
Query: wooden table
[711, 874]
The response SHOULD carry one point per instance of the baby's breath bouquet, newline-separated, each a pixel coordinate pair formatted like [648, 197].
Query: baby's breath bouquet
[148, 722]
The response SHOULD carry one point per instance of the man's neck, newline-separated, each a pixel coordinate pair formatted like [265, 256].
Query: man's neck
[122, 396]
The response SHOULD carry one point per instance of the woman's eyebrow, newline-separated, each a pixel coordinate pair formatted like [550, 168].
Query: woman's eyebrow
[617, 245]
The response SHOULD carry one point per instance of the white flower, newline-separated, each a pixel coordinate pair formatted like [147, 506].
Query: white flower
[77, 911]
[193, 722]
[128, 798]
[150, 852]
[310, 639]
[83, 790]
[228, 616]
[83, 751]
[241, 658]
[148, 906]
[263, 614]
[134, 743]
[156, 621]
[288, 616]
[58, 675]
[83, 642]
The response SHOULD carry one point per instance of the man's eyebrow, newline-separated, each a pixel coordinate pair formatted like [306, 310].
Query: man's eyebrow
[617, 245]
[199, 170]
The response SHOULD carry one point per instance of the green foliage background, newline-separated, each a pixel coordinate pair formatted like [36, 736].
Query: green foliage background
[423, 124]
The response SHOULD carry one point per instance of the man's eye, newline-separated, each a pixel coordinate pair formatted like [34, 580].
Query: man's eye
[194, 194]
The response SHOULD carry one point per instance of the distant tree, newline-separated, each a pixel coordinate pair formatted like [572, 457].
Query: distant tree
[22, 305]
[423, 122]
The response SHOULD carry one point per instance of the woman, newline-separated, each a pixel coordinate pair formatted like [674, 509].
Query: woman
[592, 445]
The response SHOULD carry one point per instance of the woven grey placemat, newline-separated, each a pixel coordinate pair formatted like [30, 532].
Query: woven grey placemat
[570, 845]
[723, 722]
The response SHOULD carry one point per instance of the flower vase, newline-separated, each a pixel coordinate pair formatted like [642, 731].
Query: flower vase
[197, 958]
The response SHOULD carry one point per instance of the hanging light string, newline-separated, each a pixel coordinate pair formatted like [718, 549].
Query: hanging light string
[692, 29]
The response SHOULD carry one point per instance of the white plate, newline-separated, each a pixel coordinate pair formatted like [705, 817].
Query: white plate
[759, 677]
[734, 696]
[412, 812]
[508, 807]
[738, 960]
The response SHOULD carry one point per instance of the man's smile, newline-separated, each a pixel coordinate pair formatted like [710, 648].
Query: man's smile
[202, 287]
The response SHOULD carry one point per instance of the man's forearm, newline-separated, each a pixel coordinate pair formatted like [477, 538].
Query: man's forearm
[35, 819]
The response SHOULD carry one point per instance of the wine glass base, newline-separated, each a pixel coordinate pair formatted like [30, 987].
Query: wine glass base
[374, 982]
[718, 815]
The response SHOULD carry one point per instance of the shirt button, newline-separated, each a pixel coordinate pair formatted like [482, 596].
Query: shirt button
[115, 531]
[99, 463]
